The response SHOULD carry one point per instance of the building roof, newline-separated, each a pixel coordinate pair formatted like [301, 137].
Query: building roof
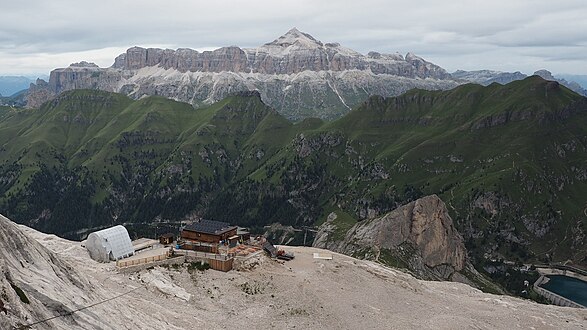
[210, 227]
[242, 231]
[143, 243]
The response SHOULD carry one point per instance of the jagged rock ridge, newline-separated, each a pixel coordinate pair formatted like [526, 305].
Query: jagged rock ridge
[291, 53]
[296, 74]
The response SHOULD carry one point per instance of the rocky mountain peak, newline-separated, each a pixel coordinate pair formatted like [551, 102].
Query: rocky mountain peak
[83, 64]
[545, 74]
[413, 57]
[575, 87]
[295, 37]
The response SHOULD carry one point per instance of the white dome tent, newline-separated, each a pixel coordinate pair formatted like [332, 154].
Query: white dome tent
[109, 244]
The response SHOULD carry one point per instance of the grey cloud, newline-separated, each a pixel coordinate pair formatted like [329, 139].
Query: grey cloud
[498, 34]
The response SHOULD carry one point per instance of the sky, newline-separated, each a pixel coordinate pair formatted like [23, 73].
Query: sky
[37, 36]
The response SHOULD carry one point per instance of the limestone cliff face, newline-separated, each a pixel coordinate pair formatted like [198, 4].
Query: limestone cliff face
[433, 233]
[296, 74]
[49, 283]
[83, 76]
[38, 94]
[420, 236]
[292, 53]
[36, 281]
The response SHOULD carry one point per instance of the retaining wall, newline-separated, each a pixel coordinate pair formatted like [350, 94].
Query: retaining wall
[216, 261]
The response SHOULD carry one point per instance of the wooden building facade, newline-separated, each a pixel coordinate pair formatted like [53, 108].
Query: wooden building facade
[166, 239]
[208, 231]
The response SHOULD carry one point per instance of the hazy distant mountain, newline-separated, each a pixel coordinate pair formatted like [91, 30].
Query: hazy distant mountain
[575, 87]
[580, 79]
[13, 84]
[295, 74]
[487, 77]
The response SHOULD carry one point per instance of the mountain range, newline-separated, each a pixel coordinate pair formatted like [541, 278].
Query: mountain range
[296, 74]
[508, 161]
[487, 77]
[580, 79]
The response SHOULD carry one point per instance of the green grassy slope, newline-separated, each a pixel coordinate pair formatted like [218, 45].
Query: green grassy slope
[128, 159]
[510, 161]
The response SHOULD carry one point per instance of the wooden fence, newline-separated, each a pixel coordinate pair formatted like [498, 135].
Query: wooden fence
[139, 261]
[216, 261]
[138, 268]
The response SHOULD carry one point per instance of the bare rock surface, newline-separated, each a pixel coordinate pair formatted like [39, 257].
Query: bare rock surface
[342, 293]
[420, 234]
[488, 77]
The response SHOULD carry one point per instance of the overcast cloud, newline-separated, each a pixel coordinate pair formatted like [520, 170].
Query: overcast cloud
[508, 35]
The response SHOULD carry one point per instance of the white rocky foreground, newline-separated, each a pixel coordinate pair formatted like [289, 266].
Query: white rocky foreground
[57, 276]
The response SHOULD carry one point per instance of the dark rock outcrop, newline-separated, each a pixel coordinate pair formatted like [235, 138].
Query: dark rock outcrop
[419, 235]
